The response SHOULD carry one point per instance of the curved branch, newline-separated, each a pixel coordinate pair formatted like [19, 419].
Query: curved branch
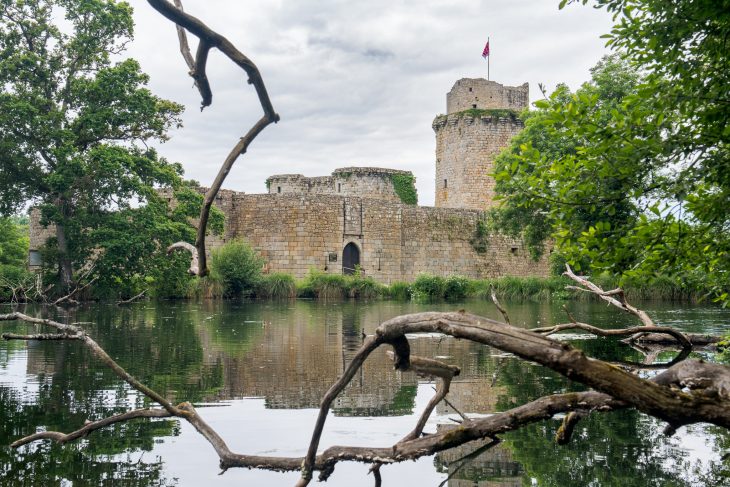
[680, 337]
[194, 266]
[210, 39]
[619, 301]
[91, 426]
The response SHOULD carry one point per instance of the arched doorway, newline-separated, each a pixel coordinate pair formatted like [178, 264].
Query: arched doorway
[350, 258]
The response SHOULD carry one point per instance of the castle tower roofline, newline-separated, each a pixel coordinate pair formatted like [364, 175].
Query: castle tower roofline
[482, 94]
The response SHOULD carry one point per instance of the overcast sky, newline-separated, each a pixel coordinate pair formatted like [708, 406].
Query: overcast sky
[355, 83]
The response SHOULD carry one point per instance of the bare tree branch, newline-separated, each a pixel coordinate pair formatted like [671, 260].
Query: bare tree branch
[679, 337]
[209, 39]
[90, 426]
[619, 301]
[194, 266]
[499, 306]
[133, 298]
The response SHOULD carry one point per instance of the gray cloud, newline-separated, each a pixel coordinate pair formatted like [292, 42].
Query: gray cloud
[356, 83]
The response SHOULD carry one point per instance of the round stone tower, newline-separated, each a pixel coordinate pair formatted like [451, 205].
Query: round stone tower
[482, 117]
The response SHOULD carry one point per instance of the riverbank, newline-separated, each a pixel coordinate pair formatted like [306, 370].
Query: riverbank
[319, 285]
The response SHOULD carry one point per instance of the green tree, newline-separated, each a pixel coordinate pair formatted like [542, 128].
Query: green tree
[646, 188]
[74, 123]
[13, 252]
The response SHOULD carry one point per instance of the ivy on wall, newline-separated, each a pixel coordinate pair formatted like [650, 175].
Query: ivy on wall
[480, 240]
[405, 188]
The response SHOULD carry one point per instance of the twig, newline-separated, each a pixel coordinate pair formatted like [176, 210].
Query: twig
[132, 299]
[468, 457]
[499, 306]
[76, 289]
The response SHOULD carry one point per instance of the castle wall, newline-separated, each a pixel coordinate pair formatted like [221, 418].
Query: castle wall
[295, 233]
[466, 146]
[482, 94]
[369, 182]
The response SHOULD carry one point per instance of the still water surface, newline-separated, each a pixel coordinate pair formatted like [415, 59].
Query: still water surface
[257, 370]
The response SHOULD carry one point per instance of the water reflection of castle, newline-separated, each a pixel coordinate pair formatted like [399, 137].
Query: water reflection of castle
[293, 364]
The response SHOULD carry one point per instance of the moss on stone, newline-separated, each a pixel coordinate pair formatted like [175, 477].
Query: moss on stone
[490, 112]
[405, 188]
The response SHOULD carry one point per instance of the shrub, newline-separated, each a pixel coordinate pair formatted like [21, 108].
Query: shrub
[399, 290]
[321, 285]
[456, 288]
[237, 267]
[364, 287]
[429, 287]
[277, 285]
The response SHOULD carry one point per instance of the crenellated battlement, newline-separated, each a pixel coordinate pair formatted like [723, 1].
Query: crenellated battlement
[482, 94]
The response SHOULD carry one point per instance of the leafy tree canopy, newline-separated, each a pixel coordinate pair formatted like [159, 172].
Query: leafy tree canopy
[75, 121]
[631, 173]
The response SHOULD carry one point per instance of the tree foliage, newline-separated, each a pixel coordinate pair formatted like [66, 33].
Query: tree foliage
[630, 172]
[74, 126]
[13, 251]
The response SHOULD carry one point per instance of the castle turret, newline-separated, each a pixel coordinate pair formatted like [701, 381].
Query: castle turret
[482, 117]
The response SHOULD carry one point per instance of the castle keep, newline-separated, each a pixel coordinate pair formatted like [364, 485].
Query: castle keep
[481, 119]
[359, 218]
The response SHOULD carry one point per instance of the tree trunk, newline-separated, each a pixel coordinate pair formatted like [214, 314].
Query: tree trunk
[65, 269]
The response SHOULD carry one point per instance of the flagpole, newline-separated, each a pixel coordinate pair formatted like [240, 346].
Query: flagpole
[488, 56]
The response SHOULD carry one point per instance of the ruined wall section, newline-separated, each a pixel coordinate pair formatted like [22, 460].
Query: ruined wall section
[367, 182]
[296, 233]
[466, 146]
[438, 241]
[292, 232]
[479, 93]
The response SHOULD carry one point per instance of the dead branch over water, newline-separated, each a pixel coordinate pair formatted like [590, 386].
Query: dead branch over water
[687, 392]
[209, 39]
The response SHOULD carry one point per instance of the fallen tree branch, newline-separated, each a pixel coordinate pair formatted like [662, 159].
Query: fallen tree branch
[133, 298]
[619, 301]
[678, 336]
[90, 426]
[704, 398]
[209, 39]
[76, 290]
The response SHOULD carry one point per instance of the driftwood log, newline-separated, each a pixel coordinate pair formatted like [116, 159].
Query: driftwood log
[686, 392]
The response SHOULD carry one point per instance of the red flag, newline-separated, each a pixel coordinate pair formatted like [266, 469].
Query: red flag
[485, 52]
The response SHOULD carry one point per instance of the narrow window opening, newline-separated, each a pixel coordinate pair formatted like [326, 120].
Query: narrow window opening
[474, 105]
[469, 88]
[446, 183]
[339, 187]
[278, 189]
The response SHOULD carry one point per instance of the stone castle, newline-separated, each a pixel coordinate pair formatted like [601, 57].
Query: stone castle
[358, 218]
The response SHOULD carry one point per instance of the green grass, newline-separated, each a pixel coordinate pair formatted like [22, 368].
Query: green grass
[277, 285]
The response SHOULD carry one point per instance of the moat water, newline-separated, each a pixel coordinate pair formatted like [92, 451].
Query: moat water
[256, 371]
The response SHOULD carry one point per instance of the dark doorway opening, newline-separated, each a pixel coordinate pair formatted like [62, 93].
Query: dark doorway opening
[350, 258]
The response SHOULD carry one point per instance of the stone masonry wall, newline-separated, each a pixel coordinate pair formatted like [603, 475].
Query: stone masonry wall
[295, 233]
[38, 233]
[483, 94]
[466, 147]
[370, 182]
